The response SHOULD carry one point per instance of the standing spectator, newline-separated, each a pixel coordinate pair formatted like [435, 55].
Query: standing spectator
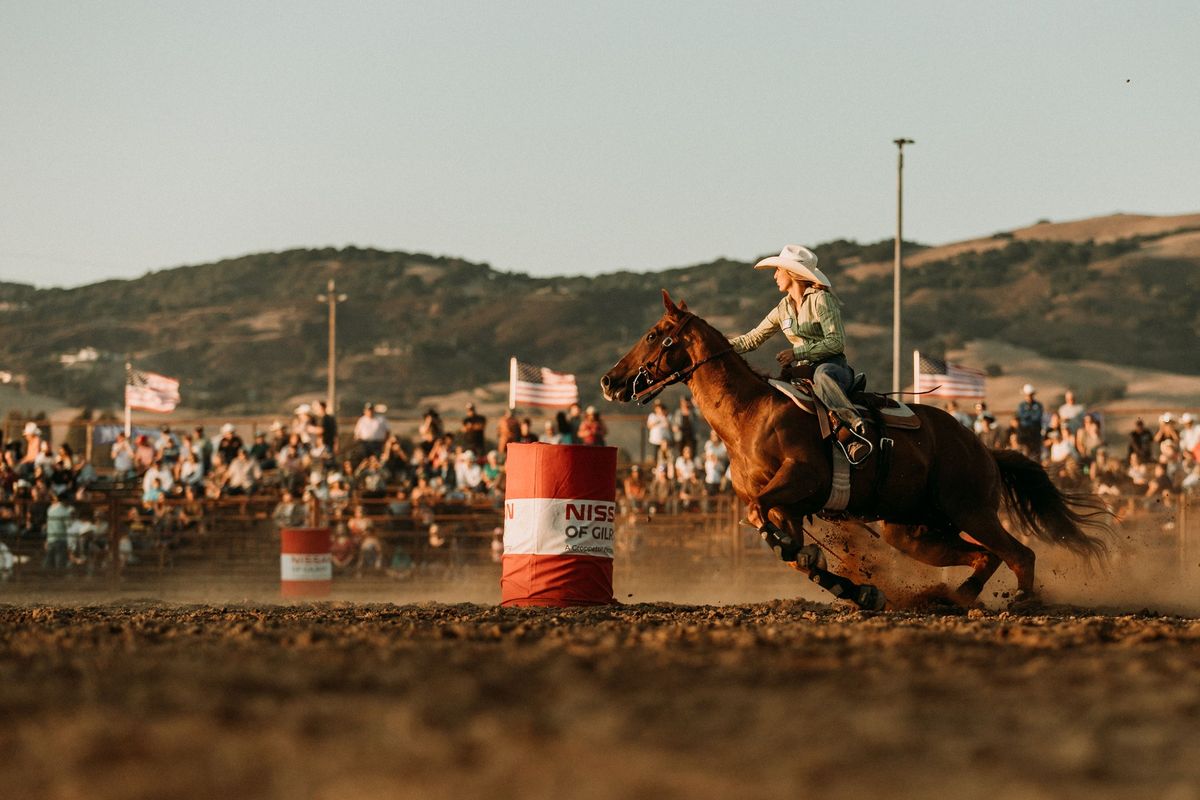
[203, 446]
[191, 471]
[431, 429]
[1030, 413]
[166, 448]
[1089, 438]
[327, 422]
[1166, 431]
[592, 430]
[122, 457]
[473, 426]
[58, 516]
[566, 432]
[143, 453]
[683, 425]
[963, 417]
[988, 433]
[575, 420]
[1071, 412]
[658, 432]
[32, 435]
[507, 430]
[370, 432]
[303, 424]
[981, 409]
[1189, 435]
[715, 447]
[1141, 441]
[230, 445]
[526, 435]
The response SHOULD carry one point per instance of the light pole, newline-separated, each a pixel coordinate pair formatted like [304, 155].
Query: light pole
[332, 298]
[896, 272]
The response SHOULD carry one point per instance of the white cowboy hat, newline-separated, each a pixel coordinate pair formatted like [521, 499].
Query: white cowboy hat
[31, 429]
[798, 260]
[1186, 418]
[1166, 417]
[1028, 389]
[227, 428]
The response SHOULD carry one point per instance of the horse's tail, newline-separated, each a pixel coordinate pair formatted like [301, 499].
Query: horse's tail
[1046, 512]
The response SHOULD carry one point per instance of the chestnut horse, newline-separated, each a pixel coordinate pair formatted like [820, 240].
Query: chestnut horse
[942, 480]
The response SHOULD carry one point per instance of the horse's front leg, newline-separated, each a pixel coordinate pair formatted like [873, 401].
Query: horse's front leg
[794, 484]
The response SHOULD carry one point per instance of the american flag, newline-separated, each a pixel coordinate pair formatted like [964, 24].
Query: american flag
[950, 379]
[150, 391]
[537, 386]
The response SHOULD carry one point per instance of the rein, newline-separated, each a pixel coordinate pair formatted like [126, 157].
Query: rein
[655, 384]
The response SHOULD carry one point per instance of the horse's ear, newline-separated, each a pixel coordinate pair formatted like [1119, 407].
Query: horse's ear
[683, 305]
[667, 303]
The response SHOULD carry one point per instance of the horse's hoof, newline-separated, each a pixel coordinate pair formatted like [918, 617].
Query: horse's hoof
[810, 557]
[1025, 602]
[870, 598]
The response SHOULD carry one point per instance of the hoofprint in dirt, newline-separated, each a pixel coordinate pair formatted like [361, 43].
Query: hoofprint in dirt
[766, 700]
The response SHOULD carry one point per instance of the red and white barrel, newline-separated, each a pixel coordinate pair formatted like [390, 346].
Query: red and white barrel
[305, 565]
[560, 514]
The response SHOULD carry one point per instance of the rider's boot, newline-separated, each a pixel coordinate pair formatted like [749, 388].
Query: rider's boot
[853, 439]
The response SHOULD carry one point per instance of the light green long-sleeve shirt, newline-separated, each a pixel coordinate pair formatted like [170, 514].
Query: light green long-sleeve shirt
[815, 329]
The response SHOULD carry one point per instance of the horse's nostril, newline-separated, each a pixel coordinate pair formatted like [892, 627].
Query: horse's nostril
[604, 382]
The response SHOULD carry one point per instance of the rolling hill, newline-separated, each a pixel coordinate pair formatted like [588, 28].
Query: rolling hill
[246, 335]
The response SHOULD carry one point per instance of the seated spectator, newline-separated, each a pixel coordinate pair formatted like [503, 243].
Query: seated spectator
[714, 474]
[1159, 486]
[1059, 449]
[359, 524]
[191, 471]
[635, 489]
[1138, 473]
[158, 472]
[216, 477]
[592, 430]
[473, 426]
[288, 513]
[370, 553]
[343, 550]
[371, 478]
[400, 505]
[370, 432]
[550, 433]
[567, 431]
[981, 409]
[122, 458]
[691, 492]
[431, 430]
[661, 492]
[493, 473]
[686, 465]
[395, 460]
[58, 517]
[468, 476]
[166, 449]
[339, 496]
[320, 454]
[658, 432]
[152, 494]
[1166, 431]
[1089, 438]
[963, 417]
[243, 475]
[401, 566]
[260, 452]
[230, 444]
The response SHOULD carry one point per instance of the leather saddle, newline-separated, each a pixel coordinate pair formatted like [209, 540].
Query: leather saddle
[894, 413]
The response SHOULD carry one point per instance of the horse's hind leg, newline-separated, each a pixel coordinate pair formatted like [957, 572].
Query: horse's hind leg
[944, 548]
[985, 528]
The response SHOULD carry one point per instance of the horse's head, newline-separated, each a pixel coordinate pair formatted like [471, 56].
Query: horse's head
[662, 353]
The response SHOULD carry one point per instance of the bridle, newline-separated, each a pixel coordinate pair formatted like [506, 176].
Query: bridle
[650, 370]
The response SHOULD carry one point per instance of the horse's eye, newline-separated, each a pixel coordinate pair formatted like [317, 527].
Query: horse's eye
[650, 336]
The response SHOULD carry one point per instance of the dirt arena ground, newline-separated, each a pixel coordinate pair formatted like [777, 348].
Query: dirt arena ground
[787, 698]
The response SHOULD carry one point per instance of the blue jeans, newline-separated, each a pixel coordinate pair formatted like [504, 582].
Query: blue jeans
[831, 380]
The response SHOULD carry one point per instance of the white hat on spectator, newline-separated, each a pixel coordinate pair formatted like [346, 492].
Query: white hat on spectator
[798, 260]
[1028, 389]
[316, 478]
[1186, 418]
[227, 428]
[1166, 417]
[276, 425]
[304, 408]
[31, 429]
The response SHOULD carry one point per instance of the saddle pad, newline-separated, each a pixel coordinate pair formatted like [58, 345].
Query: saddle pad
[900, 417]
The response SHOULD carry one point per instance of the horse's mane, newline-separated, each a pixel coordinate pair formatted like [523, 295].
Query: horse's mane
[707, 327]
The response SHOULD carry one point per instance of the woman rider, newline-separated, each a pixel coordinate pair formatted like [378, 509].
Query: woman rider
[810, 316]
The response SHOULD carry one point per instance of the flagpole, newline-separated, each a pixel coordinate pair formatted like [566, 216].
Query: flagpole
[917, 376]
[128, 411]
[512, 382]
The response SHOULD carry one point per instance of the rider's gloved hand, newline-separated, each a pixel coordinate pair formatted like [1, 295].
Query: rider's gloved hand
[785, 357]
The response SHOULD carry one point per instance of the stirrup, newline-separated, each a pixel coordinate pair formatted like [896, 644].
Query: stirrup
[856, 436]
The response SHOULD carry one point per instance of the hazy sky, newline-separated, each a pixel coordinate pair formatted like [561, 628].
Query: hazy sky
[574, 137]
